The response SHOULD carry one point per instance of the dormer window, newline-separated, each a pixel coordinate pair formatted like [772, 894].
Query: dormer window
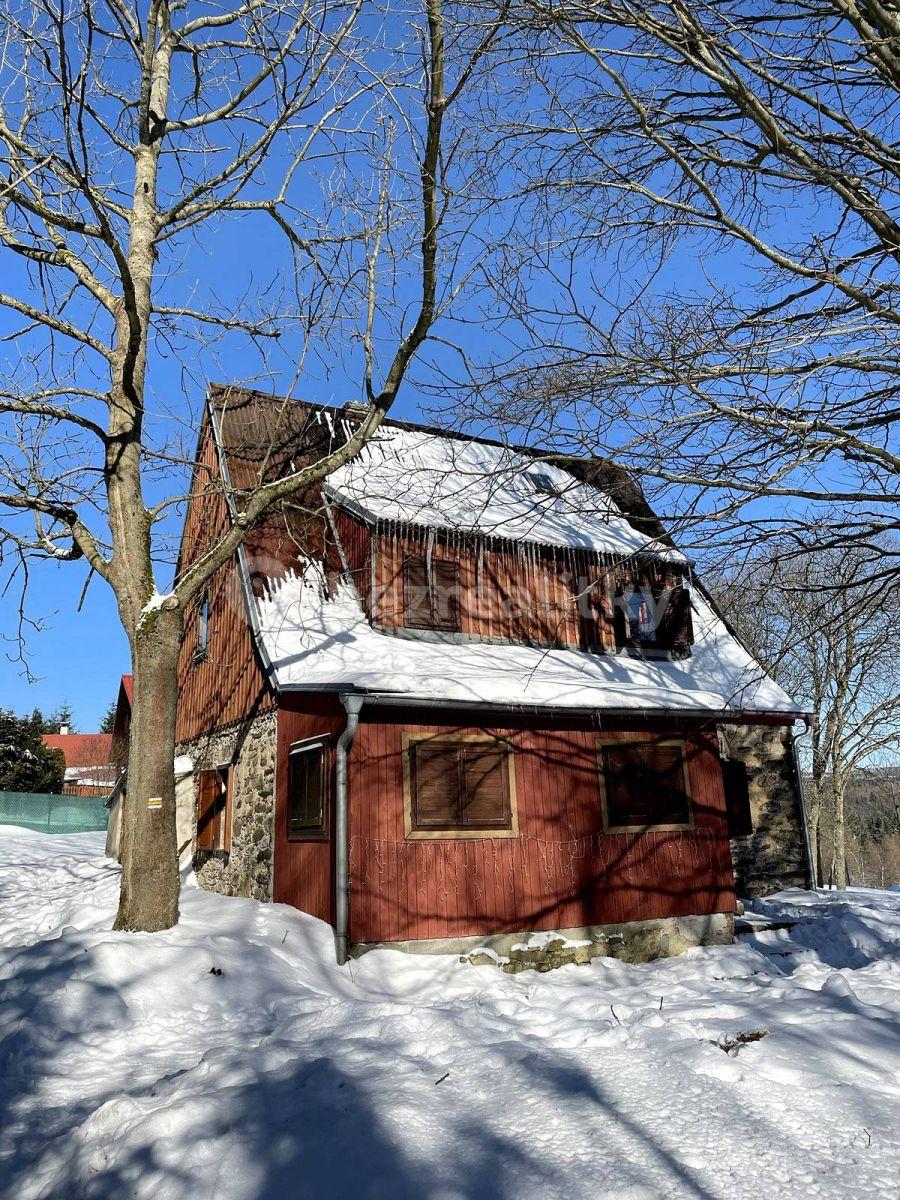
[652, 612]
[431, 594]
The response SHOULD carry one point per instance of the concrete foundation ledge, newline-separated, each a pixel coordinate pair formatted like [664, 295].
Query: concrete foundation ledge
[631, 941]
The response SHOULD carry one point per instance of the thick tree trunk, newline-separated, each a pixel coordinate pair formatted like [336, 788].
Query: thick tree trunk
[813, 808]
[150, 883]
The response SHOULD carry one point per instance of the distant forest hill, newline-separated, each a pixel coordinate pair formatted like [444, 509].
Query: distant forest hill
[872, 828]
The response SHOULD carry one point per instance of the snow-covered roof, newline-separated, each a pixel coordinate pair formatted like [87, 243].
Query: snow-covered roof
[91, 776]
[419, 477]
[315, 641]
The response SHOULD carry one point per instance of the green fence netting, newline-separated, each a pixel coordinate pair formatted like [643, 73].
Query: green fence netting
[49, 813]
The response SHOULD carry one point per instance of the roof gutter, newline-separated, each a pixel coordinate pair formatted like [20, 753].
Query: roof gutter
[402, 700]
[241, 556]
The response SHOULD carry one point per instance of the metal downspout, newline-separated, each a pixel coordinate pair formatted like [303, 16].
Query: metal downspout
[353, 705]
[811, 867]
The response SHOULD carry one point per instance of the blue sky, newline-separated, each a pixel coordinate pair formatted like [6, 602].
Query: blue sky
[78, 656]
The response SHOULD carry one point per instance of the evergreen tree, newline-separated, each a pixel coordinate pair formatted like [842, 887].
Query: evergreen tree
[59, 717]
[26, 764]
[108, 724]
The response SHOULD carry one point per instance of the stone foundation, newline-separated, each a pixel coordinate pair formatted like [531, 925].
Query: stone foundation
[251, 749]
[773, 857]
[632, 941]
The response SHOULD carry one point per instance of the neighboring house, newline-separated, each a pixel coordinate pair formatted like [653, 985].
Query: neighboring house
[89, 769]
[462, 691]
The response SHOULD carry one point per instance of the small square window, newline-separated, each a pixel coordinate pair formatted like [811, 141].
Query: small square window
[541, 482]
[652, 611]
[307, 811]
[458, 786]
[645, 786]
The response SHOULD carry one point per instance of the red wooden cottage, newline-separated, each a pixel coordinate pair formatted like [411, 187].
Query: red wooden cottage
[463, 692]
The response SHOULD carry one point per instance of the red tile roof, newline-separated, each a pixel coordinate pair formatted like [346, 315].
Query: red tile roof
[82, 749]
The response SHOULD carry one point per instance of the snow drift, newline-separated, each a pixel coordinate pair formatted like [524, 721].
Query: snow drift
[231, 1058]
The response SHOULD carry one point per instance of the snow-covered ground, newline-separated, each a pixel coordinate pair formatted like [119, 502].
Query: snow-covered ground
[230, 1057]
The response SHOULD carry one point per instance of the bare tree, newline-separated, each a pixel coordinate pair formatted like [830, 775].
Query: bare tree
[716, 186]
[833, 642]
[129, 133]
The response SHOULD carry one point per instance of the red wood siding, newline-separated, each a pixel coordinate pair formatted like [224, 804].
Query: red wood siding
[513, 592]
[527, 595]
[562, 870]
[228, 684]
[303, 872]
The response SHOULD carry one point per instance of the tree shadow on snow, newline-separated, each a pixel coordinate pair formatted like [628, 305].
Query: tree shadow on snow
[850, 943]
[310, 1117]
[296, 1124]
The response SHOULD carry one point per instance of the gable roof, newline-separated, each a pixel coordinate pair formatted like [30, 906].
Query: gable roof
[310, 640]
[81, 749]
[440, 478]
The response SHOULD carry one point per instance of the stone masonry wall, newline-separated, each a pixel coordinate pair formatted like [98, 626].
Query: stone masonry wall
[774, 855]
[251, 749]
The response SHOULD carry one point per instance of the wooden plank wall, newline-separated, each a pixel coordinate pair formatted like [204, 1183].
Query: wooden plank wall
[515, 593]
[561, 872]
[228, 684]
[304, 870]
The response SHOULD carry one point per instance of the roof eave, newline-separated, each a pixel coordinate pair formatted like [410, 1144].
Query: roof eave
[410, 700]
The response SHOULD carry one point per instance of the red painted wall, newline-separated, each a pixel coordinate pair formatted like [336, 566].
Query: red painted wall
[561, 871]
[303, 872]
[511, 597]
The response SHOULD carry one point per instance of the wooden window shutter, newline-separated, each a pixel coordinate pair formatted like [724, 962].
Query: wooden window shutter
[627, 796]
[445, 594]
[306, 808]
[486, 795]
[666, 765]
[436, 785]
[227, 781]
[676, 632]
[645, 785]
[416, 600]
[211, 808]
[737, 798]
[682, 620]
[431, 599]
